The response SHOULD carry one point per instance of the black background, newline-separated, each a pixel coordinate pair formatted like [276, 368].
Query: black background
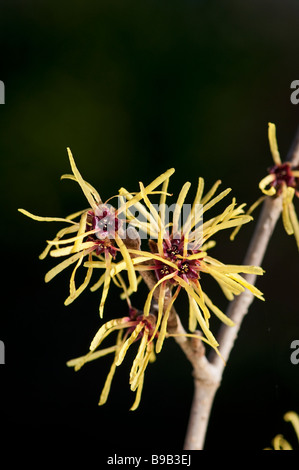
[135, 88]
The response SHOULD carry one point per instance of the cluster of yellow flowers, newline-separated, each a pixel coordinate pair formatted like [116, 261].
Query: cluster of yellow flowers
[178, 255]
[282, 180]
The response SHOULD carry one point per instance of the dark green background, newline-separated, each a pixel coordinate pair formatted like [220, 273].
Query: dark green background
[135, 88]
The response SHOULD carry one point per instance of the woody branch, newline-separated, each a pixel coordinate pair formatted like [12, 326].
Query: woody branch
[205, 390]
[208, 371]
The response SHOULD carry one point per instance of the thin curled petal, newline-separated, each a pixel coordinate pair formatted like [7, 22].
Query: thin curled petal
[107, 385]
[287, 196]
[224, 318]
[107, 280]
[107, 328]
[279, 443]
[207, 332]
[210, 193]
[138, 395]
[79, 362]
[178, 207]
[294, 222]
[293, 418]
[45, 219]
[148, 190]
[61, 266]
[75, 292]
[250, 210]
[138, 378]
[147, 304]
[137, 363]
[128, 343]
[129, 263]
[163, 329]
[86, 190]
[60, 234]
[273, 143]
[92, 190]
[265, 182]
[160, 310]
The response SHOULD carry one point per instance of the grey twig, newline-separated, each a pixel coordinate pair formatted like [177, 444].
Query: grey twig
[205, 390]
[207, 372]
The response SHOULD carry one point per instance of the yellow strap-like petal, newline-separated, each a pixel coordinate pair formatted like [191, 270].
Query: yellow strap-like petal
[79, 362]
[61, 266]
[197, 296]
[178, 209]
[160, 310]
[293, 418]
[232, 286]
[92, 190]
[211, 193]
[72, 239]
[233, 268]
[148, 254]
[45, 219]
[138, 378]
[163, 329]
[137, 363]
[107, 328]
[74, 293]
[61, 233]
[151, 227]
[155, 216]
[195, 216]
[224, 318]
[294, 222]
[273, 143]
[138, 395]
[148, 190]
[86, 190]
[82, 229]
[147, 304]
[128, 342]
[69, 249]
[250, 210]
[255, 291]
[287, 196]
[264, 183]
[279, 443]
[107, 280]
[129, 263]
[107, 385]
[216, 199]
[206, 331]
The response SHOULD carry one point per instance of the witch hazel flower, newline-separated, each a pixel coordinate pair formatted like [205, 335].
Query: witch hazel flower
[282, 180]
[136, 328]
[180, 260]
[279, 442]
[97, 232]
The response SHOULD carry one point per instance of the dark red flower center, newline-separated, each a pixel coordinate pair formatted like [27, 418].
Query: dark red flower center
[106, 224]
[138, 317]
[174, 251]
[283, 175]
